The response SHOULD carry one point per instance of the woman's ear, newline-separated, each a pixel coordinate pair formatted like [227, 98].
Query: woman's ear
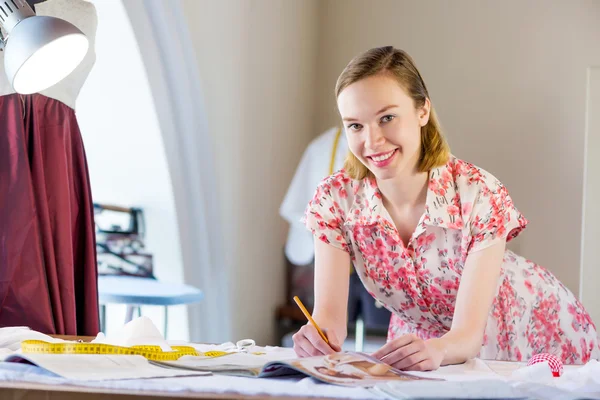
[424, 112]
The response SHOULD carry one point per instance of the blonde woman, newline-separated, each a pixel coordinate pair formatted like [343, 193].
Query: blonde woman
[427, 234]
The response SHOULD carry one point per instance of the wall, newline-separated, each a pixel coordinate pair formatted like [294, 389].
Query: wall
[508, 80]
[257, 63]
[125, 151]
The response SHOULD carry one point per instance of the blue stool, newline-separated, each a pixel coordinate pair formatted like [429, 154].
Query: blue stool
[136, 292]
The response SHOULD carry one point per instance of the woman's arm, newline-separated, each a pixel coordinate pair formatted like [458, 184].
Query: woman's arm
[332, 281]
[331, 303]
[474, 299]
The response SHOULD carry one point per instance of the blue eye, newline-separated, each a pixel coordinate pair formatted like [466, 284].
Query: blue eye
[387, 118]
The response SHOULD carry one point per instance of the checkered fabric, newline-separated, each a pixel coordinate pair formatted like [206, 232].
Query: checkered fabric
[556, 365]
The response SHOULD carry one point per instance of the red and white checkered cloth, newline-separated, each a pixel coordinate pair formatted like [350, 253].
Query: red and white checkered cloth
[556, 365]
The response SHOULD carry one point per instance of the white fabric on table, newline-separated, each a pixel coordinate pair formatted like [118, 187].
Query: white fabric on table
[471, 380]
[208, 384]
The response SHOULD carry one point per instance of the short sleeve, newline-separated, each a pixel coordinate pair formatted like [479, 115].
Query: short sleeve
[324, 217]
[495, 217]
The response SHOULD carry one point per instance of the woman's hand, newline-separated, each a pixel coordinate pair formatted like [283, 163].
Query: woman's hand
[411, 353]
[308, 342]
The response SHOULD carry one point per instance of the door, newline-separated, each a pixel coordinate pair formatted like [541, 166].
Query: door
[590, 246]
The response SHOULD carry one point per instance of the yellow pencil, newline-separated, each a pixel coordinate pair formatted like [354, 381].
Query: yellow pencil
[310, 319]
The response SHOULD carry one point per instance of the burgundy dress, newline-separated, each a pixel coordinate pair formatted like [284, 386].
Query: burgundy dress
[48, 271]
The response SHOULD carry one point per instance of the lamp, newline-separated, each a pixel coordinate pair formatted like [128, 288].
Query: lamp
[40, 51]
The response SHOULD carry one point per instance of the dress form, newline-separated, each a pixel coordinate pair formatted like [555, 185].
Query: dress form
[48, 268]
[82, 14]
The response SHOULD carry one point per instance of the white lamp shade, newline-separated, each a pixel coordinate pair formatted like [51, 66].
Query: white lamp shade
[41, 51]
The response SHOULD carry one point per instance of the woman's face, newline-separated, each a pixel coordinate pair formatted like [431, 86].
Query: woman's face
[382, 125]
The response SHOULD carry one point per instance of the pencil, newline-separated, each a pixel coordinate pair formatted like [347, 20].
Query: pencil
[310, 319]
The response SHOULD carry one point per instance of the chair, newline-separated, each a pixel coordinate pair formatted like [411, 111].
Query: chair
[126, 271]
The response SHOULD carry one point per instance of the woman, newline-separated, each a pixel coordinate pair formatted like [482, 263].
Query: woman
[427, 233]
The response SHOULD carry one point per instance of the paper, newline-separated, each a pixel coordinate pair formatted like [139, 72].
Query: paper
[235, 359]
[239, 364]
[473, 369]
[99, 367]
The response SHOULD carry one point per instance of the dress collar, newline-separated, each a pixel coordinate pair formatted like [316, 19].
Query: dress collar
[442, 205]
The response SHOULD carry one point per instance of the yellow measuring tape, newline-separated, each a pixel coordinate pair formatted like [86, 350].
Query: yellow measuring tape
[154, 353]
[336, 139]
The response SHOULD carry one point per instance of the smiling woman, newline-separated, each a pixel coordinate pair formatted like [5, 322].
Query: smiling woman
[434, 149]
[427, 234]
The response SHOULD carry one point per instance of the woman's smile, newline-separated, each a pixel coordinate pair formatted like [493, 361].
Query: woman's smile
[381, 160]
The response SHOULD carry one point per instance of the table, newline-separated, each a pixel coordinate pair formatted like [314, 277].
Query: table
[135, 292]
[33, 386]
[33, 391]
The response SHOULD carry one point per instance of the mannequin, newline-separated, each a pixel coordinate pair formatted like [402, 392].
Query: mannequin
[315, 165]
[48, 271]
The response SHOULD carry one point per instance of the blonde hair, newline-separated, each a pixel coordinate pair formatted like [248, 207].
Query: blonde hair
[435, 151]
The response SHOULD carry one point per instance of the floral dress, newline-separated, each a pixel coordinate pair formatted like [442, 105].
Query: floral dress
[467, 209]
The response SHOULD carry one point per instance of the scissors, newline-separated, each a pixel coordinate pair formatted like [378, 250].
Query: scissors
[244, 345]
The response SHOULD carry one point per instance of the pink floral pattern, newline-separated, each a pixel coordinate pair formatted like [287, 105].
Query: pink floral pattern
[467, 209]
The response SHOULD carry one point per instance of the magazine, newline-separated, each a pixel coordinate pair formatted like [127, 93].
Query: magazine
[345, 368]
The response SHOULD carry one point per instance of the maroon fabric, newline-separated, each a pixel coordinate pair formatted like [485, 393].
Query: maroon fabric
[48, 271]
